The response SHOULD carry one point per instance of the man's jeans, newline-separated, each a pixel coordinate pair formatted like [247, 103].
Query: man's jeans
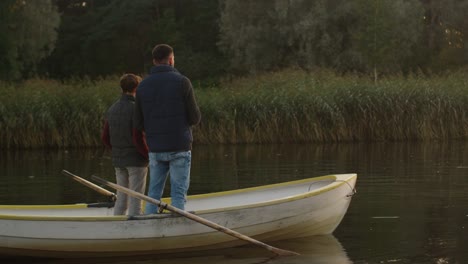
[133, 178]
[177, 164]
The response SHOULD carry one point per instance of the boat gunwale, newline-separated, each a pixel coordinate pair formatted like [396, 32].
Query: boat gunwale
[333, 185]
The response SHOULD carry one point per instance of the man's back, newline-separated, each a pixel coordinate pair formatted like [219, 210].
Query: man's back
[165, 101]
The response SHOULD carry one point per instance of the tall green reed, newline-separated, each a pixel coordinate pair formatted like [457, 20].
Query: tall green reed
[295, 106]
[45, 113]
[290, 106]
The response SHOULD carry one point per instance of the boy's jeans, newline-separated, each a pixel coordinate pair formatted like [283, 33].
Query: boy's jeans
[177, 164]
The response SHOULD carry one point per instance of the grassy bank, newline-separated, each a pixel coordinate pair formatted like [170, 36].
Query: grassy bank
[283, 107]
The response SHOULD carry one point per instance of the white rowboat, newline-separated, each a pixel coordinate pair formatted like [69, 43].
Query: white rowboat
[288, 210]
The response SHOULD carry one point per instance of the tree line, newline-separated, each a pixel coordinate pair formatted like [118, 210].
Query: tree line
[62, 39]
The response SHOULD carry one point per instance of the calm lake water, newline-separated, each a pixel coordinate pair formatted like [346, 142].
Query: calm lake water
[411, 204]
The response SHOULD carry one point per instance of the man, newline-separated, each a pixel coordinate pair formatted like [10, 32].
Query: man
[166, 109]
[128, 146]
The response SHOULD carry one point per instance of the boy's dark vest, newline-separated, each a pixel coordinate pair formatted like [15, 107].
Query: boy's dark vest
[120, 119]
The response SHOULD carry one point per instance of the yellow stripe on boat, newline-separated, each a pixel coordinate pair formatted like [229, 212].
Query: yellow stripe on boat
[259, 188]
[273, 202]
[43, 207]
[328, 178]
[65, 218]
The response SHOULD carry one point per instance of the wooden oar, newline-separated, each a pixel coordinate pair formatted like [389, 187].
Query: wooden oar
[196, 218]
[91, 185]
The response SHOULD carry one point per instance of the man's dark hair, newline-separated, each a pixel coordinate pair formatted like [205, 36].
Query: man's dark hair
[129, 82]
[161, 52]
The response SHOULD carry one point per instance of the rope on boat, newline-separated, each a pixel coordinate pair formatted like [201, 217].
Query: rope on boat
[162, 207]
[352, 189]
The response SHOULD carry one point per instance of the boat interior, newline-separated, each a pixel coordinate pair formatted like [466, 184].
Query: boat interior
[253, 196]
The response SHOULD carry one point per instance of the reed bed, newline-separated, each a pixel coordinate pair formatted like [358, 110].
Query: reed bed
[46, 113]
[290, 106]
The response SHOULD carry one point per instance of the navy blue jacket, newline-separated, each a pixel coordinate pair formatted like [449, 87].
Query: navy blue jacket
[166, 109]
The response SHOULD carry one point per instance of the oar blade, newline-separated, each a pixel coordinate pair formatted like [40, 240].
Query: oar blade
[91, 185]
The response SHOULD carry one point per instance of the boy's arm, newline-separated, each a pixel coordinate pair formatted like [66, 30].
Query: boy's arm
[138, 133]
[139, 140]
[138, 123]
[105, 136]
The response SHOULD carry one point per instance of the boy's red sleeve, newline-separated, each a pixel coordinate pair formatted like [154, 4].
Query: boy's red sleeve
[139, 140]
[105, 136]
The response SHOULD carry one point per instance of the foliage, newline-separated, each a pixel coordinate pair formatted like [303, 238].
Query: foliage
[267, 35]
[295, 106]
[113, 37]
[226, 38]
[288, 106]
[445, 35]
[28, 34]
[45, 113]
[348, 35]
[387, 32]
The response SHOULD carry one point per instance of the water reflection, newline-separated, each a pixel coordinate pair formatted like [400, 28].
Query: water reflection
[313, 250]
[34, 177]
[411, 205]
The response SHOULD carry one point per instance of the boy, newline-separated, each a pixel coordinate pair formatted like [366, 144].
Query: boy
[128, 146]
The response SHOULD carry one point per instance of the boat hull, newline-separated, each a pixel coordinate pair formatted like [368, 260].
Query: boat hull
[316, 213]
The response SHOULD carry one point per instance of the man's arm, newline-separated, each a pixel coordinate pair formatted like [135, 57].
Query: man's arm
[193, 112]
[105, 136]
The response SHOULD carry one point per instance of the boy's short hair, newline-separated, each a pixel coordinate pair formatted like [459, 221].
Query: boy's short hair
[161, 52]
[129, 82]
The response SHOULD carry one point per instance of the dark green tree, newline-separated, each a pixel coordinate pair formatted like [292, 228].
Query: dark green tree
[348, 35]
[267, 35]
[444, 44]
[6, 41]
[386, 33]
[111, 37]
[28, 35]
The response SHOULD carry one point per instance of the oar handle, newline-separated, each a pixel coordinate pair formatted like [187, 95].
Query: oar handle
[91, 185]
[196, 218]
